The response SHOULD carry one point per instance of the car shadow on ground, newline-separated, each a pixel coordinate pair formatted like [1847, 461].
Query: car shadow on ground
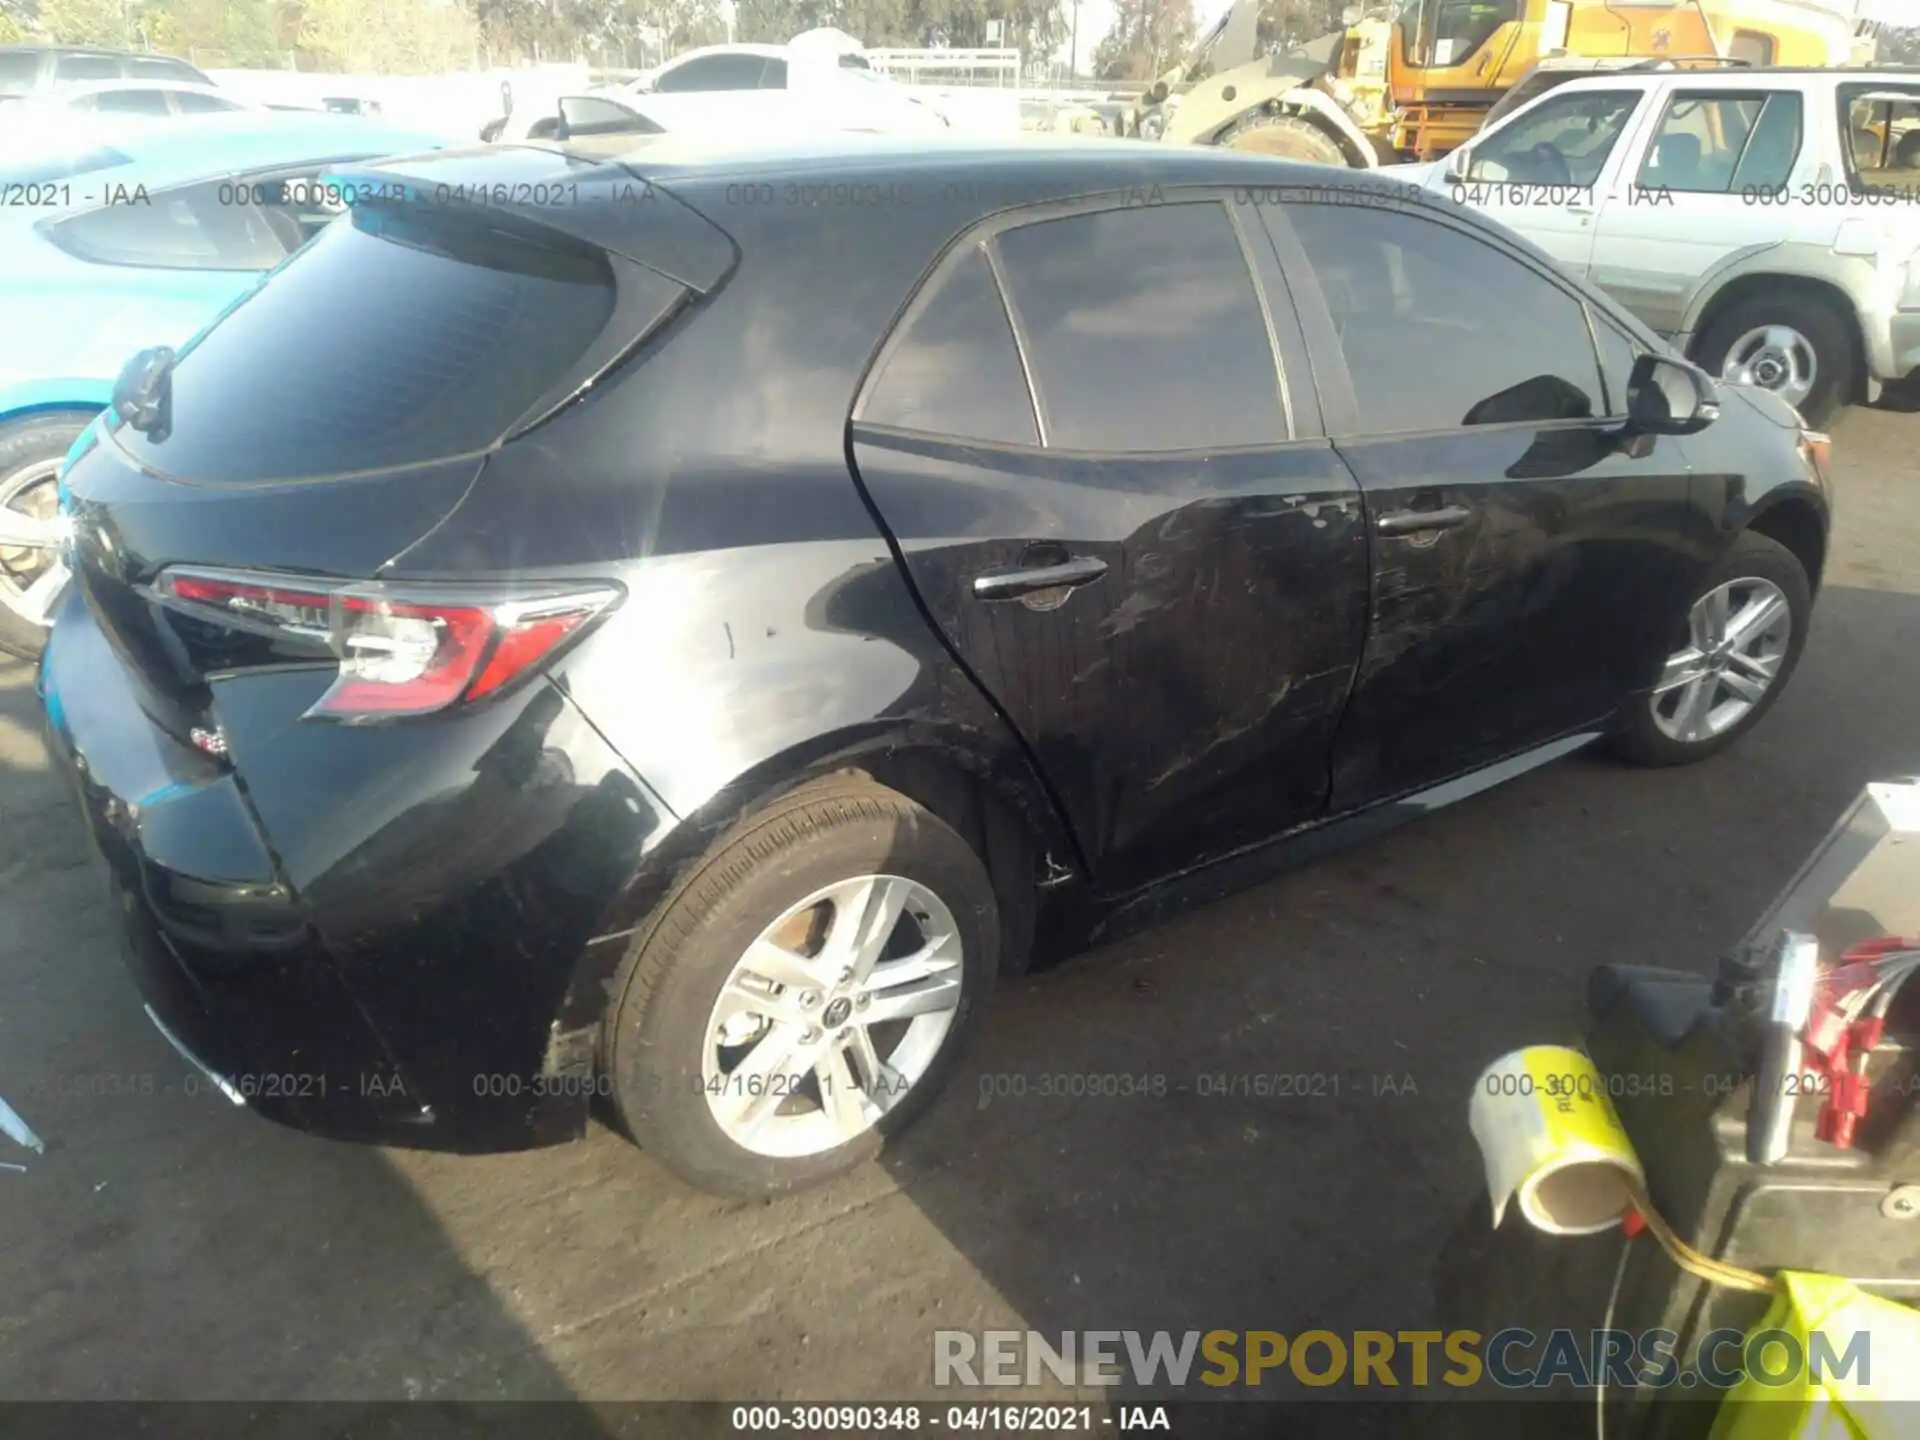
[1267, 1130]
[1367, 992]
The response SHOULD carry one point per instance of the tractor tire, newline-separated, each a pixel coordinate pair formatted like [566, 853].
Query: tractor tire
[1285, 137]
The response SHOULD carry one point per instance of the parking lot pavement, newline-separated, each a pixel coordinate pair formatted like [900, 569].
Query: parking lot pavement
[175, 1247]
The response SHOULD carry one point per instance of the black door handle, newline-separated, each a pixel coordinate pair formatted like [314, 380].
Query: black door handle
[1411, 522]
[1012, 584]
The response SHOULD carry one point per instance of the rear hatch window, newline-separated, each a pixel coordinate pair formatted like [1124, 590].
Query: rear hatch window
[399, 336]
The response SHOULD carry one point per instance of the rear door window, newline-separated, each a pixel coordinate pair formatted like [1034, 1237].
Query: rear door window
[72, 68]
[715, 72]
[129, 102]
[954, 370]
[1144, 330]
[1716, 143]
[396, 337]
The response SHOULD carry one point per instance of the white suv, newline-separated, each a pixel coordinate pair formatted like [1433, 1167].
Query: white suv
[1766, 221]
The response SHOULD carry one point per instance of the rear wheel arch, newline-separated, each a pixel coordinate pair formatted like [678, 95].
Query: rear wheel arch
[1008, 820]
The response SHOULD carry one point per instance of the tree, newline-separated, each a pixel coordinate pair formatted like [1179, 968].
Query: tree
[1285, 23]
[1901, 47]
[1147, 37]
[84, 22]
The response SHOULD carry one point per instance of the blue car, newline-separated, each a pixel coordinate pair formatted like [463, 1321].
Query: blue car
[117, 241]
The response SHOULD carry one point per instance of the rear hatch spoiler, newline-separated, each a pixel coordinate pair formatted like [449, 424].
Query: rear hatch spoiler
[591, 199]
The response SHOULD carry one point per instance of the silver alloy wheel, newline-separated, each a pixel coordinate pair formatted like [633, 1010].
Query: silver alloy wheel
[837, 1010]
[1737, 639]
[32, 572]
[1777, 358]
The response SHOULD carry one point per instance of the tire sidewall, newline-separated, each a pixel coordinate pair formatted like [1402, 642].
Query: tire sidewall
[1292, 123]
[1823, 329]
[25, 442]
[660, 1031]
[1751, 557]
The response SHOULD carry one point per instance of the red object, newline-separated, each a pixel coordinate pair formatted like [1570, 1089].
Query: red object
[1837, 1050]
[401, 653]
[1634, 1224]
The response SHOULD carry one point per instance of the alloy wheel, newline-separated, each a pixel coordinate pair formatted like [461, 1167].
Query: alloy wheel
[832, 1015]
[1777, 358]
[1738, 635]
[32, 573]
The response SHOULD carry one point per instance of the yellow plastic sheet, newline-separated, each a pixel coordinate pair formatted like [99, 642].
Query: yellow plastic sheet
[1874, 1395]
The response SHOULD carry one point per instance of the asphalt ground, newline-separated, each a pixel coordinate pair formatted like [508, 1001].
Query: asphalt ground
[168, 1246]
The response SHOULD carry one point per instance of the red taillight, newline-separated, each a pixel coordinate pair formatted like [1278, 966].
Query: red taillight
[402, 650]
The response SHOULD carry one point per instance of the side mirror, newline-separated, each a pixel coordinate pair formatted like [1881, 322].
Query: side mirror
[1458, 163]
[143, 395]
[1668, 396]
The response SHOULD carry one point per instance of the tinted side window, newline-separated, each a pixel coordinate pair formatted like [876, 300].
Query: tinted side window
[715, 72]
[774, 77]
[86, 67]
[1882, 129]
[955, 370]
[130, 102]
[162, 67]
[1563, 141]
[1144, 330]
[1711, 143]
[1441, 329]
[197, 227]
[193, 102]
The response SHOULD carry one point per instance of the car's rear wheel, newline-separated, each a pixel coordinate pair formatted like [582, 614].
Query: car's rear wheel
[805, 991]
[1286, 137]
[1732, 656]
[1792, 344]
[32, 574]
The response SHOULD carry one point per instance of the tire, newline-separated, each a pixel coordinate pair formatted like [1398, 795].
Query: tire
[667, 1084]
[1753, 563]
[1820, 328]
[1286, 137]
[29, 450]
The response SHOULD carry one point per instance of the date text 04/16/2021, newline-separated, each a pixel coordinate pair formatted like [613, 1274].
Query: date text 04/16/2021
[912, 1417]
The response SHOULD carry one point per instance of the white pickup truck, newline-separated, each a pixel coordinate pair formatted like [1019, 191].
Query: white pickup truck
[1767, 221]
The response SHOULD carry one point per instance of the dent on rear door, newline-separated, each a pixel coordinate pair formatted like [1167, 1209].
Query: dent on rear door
[1180, 691]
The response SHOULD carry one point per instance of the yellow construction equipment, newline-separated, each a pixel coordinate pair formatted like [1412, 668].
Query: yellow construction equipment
[1413, 81]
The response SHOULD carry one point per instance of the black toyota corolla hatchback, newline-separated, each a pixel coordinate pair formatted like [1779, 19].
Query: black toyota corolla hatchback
[615, 622]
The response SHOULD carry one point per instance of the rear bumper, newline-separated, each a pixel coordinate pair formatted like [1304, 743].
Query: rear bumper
[412, 990]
